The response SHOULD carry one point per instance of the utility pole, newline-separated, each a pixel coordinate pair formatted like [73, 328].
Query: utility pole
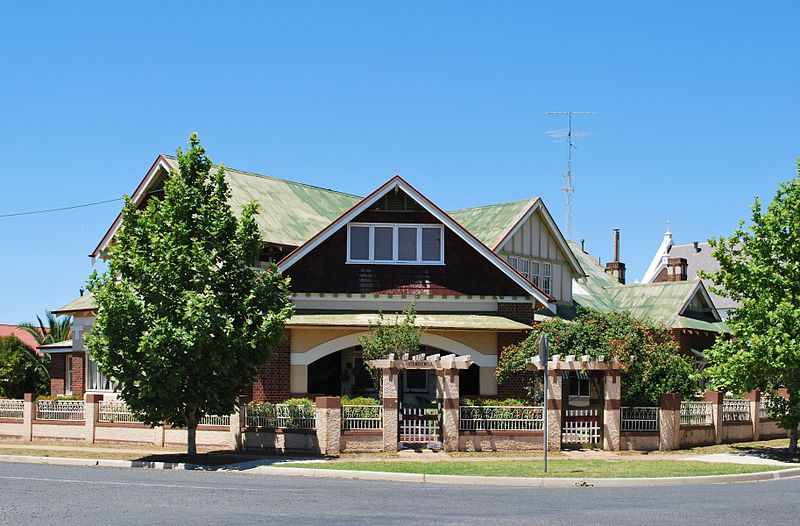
[569, 184]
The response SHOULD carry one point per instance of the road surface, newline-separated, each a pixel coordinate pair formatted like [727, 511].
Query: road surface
[32, 494]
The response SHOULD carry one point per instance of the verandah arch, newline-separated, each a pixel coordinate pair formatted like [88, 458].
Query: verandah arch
[433, 340]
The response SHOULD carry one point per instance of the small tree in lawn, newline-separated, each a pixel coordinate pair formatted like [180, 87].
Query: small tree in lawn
[760, 268]
[400, 337]
[184, 319]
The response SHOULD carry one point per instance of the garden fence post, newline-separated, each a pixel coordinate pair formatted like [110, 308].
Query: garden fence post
[28, 414]
[329, 424]
[236, 426]
[447, 390]
[612, 410]
[669, 422]
[716, 399]
[754, 397]
[389, 395]
[91, 415]
[554, 385]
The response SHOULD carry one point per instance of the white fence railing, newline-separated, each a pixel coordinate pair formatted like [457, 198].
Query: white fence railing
[763, 414]
[419, 425]
[280, 416]
[497, 418]
[581, 426]
[696, 413]
[11, 408]
[735, 410]
[116, 411]
[215, 420]
[67, 410]
[362, 417]
[640, 419]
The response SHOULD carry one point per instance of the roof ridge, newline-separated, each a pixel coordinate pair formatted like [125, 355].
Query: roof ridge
[254, 174]
[518, 201]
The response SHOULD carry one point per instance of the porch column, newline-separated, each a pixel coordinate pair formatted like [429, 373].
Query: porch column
[554, 409]
[612, 410]
[716, 397]
[329, 424]
[447, 390]
[669, 422]
[389, 390]
[754, 397]
[28, 414]
[91, 415]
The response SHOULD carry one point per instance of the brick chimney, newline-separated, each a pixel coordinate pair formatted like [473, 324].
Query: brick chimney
[616, 268]
[677, 269]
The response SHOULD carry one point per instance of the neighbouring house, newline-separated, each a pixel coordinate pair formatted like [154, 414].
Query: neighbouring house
[673, 262]
[478, 277]
[684, 307]
[27, 338]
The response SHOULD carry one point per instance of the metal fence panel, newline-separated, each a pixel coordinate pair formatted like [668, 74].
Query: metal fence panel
[507, 418]
[10, 408]
[280, 416]
[362, 417]
[696, 413]
[644, 419]
[67, 410]
[734, 410]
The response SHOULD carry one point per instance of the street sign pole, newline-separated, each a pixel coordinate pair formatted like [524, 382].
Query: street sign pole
[543, 358]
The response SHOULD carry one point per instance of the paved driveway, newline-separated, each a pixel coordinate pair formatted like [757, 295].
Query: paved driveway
[39, 494]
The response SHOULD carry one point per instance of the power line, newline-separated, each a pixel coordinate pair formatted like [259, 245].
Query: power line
[59, 209]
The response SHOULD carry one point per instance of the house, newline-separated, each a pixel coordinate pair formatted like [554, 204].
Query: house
[684, 307]
[673, 262]
[478, 278]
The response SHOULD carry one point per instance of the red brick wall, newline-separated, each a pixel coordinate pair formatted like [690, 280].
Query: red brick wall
[57, 373]
[661, 276]
[272, 382]
[78, 369]
[513, 387]
[522, 312]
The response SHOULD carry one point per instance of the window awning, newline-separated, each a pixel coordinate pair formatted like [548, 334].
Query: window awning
[434, 320]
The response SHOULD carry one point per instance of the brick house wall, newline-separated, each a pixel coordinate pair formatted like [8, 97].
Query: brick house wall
[272, 380]
[78, 370]
[521, 312]
[58, 363]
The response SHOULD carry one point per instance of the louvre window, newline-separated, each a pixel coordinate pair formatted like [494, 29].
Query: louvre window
[395, 243]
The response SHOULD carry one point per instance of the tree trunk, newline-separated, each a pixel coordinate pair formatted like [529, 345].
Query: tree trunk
[793, 440]
[191, 435]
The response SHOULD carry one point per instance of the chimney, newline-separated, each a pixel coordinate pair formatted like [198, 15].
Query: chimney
[616, 268]
[677, 269]
[696, 248]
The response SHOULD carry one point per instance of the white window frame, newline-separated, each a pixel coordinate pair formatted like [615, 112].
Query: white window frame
[68, 374]
[100, 376]
[548, 285]
[395, 249]
[513, 261]
[535, 272]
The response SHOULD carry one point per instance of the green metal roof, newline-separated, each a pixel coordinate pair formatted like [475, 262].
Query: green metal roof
[657, 302]
[492, 222]
[290, 213]
[451, 321]
[85, 302]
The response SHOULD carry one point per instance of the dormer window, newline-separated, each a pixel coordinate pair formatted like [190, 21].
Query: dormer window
[400, 244]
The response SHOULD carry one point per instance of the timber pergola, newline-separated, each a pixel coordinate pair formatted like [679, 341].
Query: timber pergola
[612, 394]
[446, 368]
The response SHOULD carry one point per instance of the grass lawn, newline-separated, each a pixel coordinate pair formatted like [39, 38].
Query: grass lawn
[564, 468]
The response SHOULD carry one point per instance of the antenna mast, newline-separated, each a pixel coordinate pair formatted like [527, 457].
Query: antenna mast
[569, 184]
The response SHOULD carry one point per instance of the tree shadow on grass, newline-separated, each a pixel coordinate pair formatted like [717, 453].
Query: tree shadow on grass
[217, 460]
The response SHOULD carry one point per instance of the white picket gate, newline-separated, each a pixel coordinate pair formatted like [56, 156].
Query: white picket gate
[418, 425]
[581, 426]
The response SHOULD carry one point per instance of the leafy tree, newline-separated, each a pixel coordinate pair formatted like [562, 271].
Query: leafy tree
[21, 370]
[399, 338]
[650, 361]
[760, 268]
[184, 318]
[57, 329]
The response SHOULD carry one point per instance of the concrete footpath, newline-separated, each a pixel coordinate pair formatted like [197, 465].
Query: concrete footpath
[268, 467]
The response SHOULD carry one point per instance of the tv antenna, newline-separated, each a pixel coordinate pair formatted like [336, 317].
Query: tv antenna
[568, 135]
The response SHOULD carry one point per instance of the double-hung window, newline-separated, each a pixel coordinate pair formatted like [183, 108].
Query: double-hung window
[68, 374]
[386, 243]
[96, 380]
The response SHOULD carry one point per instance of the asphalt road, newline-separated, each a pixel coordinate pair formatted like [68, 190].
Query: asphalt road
[63, 495]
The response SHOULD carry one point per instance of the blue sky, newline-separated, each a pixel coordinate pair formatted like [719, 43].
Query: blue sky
[698, 112]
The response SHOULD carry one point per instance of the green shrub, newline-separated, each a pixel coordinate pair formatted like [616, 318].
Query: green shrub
[360, 400]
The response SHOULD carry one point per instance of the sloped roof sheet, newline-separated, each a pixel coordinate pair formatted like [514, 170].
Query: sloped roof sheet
[491, 223]
[437, 320]
[85, 302]
[699, 259]
[290, 213]
[657, 302]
